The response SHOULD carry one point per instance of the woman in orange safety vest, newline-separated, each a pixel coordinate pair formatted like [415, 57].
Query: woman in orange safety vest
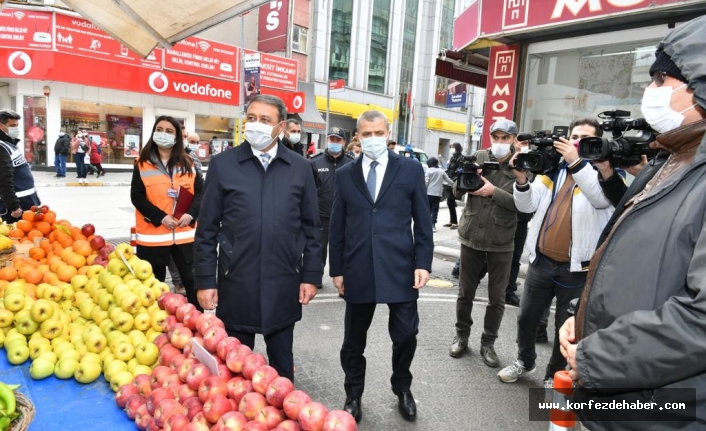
[164, 175]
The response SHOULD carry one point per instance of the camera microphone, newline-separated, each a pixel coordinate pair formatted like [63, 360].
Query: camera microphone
[616, 113]
[524, 137]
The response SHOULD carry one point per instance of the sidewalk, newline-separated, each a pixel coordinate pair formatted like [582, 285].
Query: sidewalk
[47, 178]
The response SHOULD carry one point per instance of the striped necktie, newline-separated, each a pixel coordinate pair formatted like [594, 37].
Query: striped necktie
[265, 160]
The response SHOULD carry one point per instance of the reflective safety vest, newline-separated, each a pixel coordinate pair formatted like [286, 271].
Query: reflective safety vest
[22, 177]
[157, 185]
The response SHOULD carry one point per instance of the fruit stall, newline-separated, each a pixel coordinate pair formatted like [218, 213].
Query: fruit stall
[90, 337]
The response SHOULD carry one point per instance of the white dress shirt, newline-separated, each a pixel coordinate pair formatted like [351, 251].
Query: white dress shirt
[379, 170]
[258, 153]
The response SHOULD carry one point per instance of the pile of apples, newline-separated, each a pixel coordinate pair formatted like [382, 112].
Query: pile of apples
[102, 322]
[240, 393]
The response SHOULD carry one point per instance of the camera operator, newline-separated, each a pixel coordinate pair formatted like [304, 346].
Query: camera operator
[486, 230]
[571, 211]
[642, 317]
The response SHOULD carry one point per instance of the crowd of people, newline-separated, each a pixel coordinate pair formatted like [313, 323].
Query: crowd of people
[625, 264]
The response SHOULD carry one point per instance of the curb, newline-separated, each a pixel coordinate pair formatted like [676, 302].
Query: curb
[89, 184]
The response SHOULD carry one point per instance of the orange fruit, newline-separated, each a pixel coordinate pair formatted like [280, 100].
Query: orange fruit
[8, 273]
[50, 217]
[31, 290]
[51, 278]
[28, 216]
[79, 237]
[43, 227]
[17, 233]
[75, 260]
[84, 269]
[91, 258]
[33, 276]
[34, 233]
[65, 273]
[55, 263]
[82, 247]
[24, 225]
[37, 253]
[64, 223]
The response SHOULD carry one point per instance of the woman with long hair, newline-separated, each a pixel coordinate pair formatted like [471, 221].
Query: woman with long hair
[164, 175]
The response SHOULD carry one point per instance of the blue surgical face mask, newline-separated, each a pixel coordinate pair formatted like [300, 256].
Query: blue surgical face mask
[334, 148]
[164, 139]
[374, 146]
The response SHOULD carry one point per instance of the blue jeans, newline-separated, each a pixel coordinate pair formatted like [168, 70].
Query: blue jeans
[546, 278]
[60, 165]
[80, 165]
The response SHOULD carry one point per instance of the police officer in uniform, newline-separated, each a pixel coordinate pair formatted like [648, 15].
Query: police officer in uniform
[17, 192]
[325, 166]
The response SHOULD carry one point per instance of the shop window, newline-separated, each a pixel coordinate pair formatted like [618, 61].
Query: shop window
[299, 39]
[34, 116]
[565, 86]
[116, 128]
[341, 22]
[215, 135]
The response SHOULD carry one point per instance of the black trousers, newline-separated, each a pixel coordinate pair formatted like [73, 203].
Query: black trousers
[279, 349]
[325, 221]
[434, 205]
[185, 273]
[403, 327]
[451, 202]
[520, 237]
[472, 262]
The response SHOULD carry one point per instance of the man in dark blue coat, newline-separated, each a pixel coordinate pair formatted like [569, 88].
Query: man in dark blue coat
[372, 247]
[257, 253]
[17, 192]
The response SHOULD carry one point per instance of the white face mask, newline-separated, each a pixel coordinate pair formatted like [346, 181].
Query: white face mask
[13, 132]
[524, 149]
[294, 138]
[259, 135]
[657, 109]
[374, 146]
[164, 139]
[500, 150]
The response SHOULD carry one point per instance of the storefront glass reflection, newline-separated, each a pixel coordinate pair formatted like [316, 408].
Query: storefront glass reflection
[34, 116]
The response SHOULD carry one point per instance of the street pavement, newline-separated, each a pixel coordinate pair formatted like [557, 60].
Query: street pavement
[451, 394]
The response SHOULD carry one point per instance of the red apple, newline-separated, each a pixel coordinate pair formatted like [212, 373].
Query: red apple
[142, 417]
[152, 426]
[206, 320]
[161, 341]
[132, 404]
[191, 318]
[171, 302]
[143, 384]
[312, 416]
[166, 409]
[193, 406]
[185, 367]
[212, 385]
[167, 353]
[198, 374]
[237, 387]
[224, 373]
[254, 426]
[250, 404]
[212, 337]
[278, 389]
[263, 377]
[339, 420]
[97, 242]
[159, 375]
[157, 396]
[251, 364]
[176, 422]
[216, 406]
[183, 310]
[294, 402]
[181, 336]
[124, 393]
[172, 382]
[176, 362]
[225, 345]
[88, 230]
[288, 425]
[270, 417]
[200, 418]
[236, 356]
[169, 324]
[197, 426]
[232, 421]
[189, 348]
[184, 392]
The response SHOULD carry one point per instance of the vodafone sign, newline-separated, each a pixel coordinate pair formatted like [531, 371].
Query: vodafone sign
[188, 85]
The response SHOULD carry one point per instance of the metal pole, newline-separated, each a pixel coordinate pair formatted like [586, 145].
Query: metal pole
[241, 105]
[328, 105]
[408, 104]
[468, 140]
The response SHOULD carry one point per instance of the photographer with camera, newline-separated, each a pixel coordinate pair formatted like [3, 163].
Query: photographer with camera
[486, 231]
[570, 213]
[641, 320]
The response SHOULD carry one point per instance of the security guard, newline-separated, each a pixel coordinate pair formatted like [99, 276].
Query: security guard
[325, 166]
[17, 192]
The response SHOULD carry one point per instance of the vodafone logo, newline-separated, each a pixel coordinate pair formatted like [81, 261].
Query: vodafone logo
[19, 63]
[297, 101]
[158, 82]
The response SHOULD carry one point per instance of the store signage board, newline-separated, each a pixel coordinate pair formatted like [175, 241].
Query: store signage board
[202, 57]
[466, 26]
[57, 66]
[132, 146]
[80, 37]
[272, 26]
[27, 29]
[277, 72]
[293, 100]
[503, 66]
[337, 86]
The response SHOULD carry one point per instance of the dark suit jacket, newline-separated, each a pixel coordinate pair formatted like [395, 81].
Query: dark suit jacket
[260, 231]
[371, 243]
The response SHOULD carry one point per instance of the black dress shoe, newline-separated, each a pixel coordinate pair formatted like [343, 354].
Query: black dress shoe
[407, 406]
[352, 406]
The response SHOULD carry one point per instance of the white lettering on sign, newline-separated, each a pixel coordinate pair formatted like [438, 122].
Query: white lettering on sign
[202, 90]
[504, 65]
[273, 16]
[84, 24]
[575, 6]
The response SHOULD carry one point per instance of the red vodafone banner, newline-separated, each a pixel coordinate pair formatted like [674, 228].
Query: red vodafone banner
[79, 36]
[277, 72]
[26, 29]
[272, 26]
[203, 57]
[502, 86]
[57, 66]
[294, 101]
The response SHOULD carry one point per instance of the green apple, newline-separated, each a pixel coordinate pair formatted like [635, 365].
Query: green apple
[157, 318]
[86, 307]
[142, 321]
[49, 356]
[133, 284]
[117, 267]
[52, 293]
[78, 281]
[87, 371]
[62, 346]
[146, 296]
[112, 282]
[119, 379]
[51, 328]
[24, 323]
[41, 310]
[34, 341]
[124, 321]
[91, 329]
[132, 364]
[91, 357]
[67, 292]
[105, 299]
[143, 269]
[115, 336]
[38, 348]
[17, 353]
[15, 301]
[107, 326]
[65, 368]
[98, 314]
[41, 369]
[69, 354]
[79, 297]
[95, 342]
[136, 336]
[130, 303]
[141, 369]
[151, 334]
[124, 351]
[147, 353]
[6, 318]
[114, 367]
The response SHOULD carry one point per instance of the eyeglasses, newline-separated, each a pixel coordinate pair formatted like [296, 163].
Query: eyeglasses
[658, 77]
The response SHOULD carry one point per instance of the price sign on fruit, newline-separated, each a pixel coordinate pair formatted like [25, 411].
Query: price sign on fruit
[205, 358]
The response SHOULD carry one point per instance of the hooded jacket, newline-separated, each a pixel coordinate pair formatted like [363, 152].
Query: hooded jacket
[16, 180]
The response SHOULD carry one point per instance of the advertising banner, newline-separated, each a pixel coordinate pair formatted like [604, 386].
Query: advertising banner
[277, 72]
[202, 57]
[456, 95]
[502, 84]
[251, 75]
[272, 26]
[27, 29]
[131, 147]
